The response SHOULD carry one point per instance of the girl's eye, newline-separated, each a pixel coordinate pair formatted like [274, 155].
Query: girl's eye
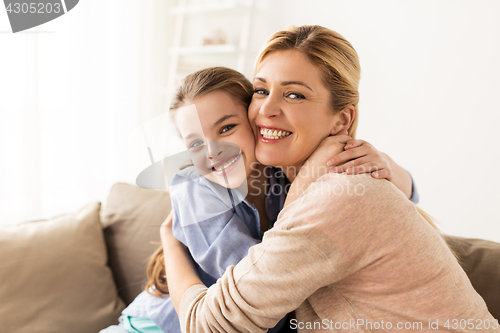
[295, 96]
[227, 128]
[259, 91]
[196, 143]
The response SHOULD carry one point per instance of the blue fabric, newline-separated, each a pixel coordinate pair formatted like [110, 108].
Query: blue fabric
[218, 226]
[415, 198]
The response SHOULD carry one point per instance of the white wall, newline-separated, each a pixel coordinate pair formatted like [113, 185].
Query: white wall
[429, 94]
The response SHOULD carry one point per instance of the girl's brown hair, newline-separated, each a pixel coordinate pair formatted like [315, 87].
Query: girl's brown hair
[194, 86]
[332, 54]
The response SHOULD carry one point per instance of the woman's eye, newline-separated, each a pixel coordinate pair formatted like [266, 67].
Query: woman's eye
[295, 96]
[196, 143]
[259, 91]
[227, 128]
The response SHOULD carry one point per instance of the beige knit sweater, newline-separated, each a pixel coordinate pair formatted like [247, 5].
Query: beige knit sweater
[352, 254]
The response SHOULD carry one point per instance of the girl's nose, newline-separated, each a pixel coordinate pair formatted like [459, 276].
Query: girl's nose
[215, 150]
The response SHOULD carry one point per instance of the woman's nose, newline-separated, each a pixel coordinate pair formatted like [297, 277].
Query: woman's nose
[270, 108]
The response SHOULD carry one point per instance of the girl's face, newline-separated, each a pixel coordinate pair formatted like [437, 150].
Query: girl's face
[219, 137]
[290, 109]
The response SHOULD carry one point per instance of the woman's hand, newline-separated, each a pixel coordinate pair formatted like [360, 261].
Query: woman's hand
[361, 157]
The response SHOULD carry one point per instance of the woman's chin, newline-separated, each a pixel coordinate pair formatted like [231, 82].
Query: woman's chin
[270, 158]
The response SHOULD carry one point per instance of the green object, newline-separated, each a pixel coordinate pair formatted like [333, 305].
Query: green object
[142, 325]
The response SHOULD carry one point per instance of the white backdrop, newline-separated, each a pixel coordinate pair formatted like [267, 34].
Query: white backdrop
[430, 78]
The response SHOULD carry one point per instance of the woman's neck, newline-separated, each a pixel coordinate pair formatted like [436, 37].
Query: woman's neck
[256, 181]
[257, 188]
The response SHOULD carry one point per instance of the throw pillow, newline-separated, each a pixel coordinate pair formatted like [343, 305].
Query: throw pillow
[54, 276]
[132, 218]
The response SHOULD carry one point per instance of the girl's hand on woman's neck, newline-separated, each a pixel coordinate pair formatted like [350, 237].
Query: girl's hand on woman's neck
[316, 166]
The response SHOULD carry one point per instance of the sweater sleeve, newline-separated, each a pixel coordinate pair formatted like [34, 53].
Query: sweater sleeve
[318, 239]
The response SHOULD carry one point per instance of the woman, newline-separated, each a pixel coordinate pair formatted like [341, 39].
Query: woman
[348, 252]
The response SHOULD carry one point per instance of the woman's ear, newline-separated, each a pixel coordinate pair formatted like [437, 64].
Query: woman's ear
[344, 119]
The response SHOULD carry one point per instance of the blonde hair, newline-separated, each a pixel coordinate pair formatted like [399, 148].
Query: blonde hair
[194, 86]
[332, 54]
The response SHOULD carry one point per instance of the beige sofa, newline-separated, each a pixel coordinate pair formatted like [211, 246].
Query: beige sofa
[76, 272]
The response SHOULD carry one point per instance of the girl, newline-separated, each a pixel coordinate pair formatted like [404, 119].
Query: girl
[220, 204]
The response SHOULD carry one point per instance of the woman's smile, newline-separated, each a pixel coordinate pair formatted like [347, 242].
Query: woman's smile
[271, 134]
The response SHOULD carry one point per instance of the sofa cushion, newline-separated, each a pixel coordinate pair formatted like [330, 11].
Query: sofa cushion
[132, 218]
[54, 276]
[480, 259]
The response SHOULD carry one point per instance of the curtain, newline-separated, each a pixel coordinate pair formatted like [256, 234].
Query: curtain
[73, 94]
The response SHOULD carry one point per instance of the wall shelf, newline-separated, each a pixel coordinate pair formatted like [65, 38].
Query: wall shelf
[221, 6]
[186, 59]
[204, 49]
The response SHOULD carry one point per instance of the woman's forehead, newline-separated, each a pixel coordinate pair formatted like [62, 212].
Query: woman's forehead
[288, 66]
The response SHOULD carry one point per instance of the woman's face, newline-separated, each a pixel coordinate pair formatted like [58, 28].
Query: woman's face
[219, 138]
[290, 109]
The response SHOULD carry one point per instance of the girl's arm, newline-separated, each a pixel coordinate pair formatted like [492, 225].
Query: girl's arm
[353, 157]
[316, 164]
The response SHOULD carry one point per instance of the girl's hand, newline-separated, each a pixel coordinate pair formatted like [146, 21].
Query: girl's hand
[361, 157]
[315, 166]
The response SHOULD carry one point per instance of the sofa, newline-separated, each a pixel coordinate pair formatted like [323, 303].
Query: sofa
[77, 272]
